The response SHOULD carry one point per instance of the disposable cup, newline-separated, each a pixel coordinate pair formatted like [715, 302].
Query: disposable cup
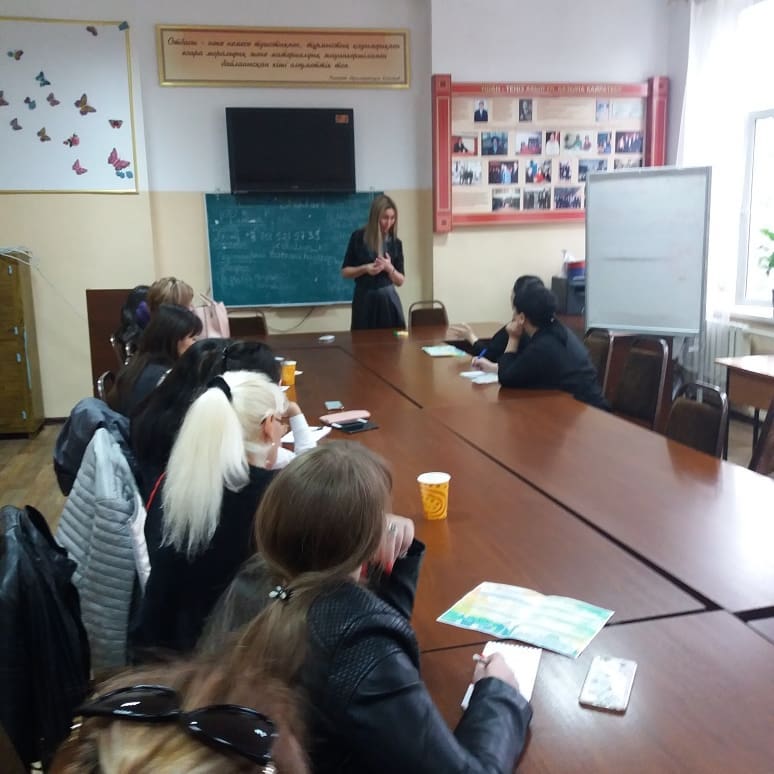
[434, 490]
[288, 372]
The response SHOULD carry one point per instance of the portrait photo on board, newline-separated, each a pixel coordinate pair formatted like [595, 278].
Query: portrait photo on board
[552, 144]
[537, 172]
[525, 110]
[604, 142]
[481, 112]
[529, 143]
[603, 110]
[503, 172]
[494, 143]
[506, 199]
[465, 144]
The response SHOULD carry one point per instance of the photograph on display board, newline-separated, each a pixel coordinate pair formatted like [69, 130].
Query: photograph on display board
[525, 110]
[565, 170]
[590, 165]
[481, 112]
[503, 172]
[466, 172]
[529, 143]
[577, 141]
[494, 143]
[629, 163]
[568, 198]
[465, 144]
[537, 172]
[552, 144]
[603, 110]
[506, 199]
[537, 198]
[624, 109]
[604, 142]
[628, 142]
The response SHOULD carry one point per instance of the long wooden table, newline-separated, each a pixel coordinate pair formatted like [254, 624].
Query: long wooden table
[701, 702]
[707, 523]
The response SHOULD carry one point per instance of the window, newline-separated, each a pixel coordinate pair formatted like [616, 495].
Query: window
[759, 209]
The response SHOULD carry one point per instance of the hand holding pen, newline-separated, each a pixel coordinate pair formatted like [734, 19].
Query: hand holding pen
[483, 364]
[493, 666]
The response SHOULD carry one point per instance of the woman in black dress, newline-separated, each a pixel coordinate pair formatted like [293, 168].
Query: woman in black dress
[374, 259]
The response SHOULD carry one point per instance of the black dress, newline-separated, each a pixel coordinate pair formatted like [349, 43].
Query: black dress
[375, 303]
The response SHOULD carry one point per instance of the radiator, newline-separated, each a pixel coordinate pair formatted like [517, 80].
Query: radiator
[721, 339]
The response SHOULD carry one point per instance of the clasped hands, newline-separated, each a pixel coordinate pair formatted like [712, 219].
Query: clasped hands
[381, 263]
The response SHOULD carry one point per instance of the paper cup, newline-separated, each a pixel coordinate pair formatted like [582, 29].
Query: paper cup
[434, 489]
[288, 372]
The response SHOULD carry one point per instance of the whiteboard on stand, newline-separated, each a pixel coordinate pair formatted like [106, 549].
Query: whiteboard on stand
[646, 250]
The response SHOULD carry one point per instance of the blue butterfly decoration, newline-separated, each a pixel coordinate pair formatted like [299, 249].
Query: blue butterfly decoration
[41, 78]
[30, 103]
[128, 175]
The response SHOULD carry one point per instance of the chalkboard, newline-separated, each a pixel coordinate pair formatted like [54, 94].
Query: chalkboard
[646, 250]
[282, 250]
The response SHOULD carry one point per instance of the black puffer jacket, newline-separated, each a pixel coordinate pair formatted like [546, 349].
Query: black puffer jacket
[44, 654]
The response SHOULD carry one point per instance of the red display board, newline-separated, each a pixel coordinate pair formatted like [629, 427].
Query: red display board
[521, 152]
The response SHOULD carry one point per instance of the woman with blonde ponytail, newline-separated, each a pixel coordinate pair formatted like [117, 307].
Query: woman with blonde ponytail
[347, 645]
[219, 468]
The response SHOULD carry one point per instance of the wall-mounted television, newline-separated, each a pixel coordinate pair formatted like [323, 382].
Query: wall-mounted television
[282, 150]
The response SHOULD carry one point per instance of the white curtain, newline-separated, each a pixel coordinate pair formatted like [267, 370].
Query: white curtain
[712, 133]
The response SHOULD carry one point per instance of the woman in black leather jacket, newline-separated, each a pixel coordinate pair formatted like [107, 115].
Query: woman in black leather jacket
[348, 648]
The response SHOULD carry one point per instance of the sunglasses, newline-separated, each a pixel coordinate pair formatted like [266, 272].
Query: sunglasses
[222, 726]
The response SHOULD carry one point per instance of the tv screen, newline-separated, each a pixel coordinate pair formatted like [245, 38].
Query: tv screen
[280, 150]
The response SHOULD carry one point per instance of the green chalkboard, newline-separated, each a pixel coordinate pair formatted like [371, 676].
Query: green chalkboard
[268, 250]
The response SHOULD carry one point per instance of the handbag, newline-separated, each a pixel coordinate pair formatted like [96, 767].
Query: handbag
[214, 319]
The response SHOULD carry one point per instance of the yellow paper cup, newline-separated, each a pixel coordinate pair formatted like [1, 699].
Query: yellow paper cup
[434, 489]
[288, 372]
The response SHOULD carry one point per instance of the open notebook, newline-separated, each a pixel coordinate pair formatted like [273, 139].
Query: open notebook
[522, 659]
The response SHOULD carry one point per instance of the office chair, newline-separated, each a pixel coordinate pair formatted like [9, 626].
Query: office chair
[763, 454]
[699, 417]
[432, 312]
[105, 381]
[639, 392]
[245, 326]
[599, 343]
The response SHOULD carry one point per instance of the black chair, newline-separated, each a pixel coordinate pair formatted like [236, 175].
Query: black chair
[122, 351]
[639, 391]
[245, 326]
[104, 383]
[699, 417]
[763, 454]
[599, 343]
[431, 312]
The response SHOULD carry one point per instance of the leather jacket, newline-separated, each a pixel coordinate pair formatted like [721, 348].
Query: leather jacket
[368, 707]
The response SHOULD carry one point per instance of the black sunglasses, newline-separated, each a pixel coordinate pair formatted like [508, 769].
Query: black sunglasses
[222, 726]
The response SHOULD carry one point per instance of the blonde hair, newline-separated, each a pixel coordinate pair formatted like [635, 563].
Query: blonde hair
[373, 233]
[209, 453]
[114, 746]
[169, 290]
[320, 519]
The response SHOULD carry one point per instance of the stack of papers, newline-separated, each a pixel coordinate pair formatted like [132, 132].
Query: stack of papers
[317, 433]
[561, 624]
[444, 350]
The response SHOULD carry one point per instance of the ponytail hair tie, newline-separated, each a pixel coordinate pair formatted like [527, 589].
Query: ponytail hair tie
[220, 383]
[283, 593]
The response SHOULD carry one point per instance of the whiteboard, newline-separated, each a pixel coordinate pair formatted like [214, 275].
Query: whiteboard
[66, 121]
[646, 250]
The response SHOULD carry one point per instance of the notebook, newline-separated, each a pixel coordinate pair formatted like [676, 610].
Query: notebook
[522, 659]
[444, 350]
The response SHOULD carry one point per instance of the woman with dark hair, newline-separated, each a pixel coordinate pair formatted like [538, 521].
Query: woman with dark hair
[374, 259]
[208, 716]
[135, 315]
[496, 345]
[167, 336]
[348, 648]
[555, 358]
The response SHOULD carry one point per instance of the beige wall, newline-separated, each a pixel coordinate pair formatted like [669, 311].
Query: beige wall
[474, 268]
[78, 241]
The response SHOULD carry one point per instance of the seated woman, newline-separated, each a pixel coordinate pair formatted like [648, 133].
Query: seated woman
[167, 336]
[157, 421]
[134, 723]
[169, 290]
[348, 647]
[494, 347]
[218, 470]
[554, 360]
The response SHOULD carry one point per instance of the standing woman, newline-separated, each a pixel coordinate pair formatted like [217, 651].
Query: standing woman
[374, 259]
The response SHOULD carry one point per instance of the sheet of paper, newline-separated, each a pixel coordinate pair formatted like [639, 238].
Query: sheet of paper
[317, 433]
[444, 350]
[486, 379]
[561, 624]
[523, 661]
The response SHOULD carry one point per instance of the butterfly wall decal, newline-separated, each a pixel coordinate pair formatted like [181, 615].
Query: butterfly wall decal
[124, 25]
[115, 123]
[3, 100]
[83, 105]
[71, 142]
[116, 162]
[30, 103]
[17, 55]
[92, 30]
[43, 136]
[41, 79]
[52, 100]
[15, 125]
[78, 169]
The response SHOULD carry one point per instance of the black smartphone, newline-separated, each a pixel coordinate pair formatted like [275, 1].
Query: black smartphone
[358, 426]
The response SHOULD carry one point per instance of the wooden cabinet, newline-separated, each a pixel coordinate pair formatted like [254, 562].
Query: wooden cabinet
[21, 396]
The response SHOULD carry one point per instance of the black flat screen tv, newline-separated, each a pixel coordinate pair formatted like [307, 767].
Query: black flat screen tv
[282, 150]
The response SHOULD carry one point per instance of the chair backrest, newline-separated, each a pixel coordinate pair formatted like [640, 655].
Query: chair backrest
[122, 351]
[599, 343]
[104, 382]
[763, 454]
[699, 417]
[247, 325]
[641, 386]
[432, 312]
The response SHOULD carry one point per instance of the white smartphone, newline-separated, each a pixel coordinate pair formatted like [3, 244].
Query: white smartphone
[608, 683]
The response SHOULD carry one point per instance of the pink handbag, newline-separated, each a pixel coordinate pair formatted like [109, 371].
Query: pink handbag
[214, 319]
